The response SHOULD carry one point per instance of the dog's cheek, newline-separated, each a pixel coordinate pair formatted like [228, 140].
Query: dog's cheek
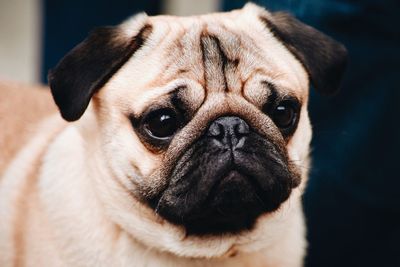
[298, 145]
[127, 158]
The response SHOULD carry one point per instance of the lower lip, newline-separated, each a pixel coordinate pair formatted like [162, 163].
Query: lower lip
[232, 176]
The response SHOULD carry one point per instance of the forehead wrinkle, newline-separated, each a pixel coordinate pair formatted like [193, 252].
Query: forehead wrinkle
[231, 46]
[253, 90]
[238, 45]
[214, 61]
[221, 57]
[250, 42]
[183, 63]
[182, 56]
[155, 95]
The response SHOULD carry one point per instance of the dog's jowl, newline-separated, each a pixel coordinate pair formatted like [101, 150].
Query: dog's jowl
[181, 142]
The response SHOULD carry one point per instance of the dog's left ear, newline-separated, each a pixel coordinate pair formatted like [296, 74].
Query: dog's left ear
[88, 66]
[323, 58]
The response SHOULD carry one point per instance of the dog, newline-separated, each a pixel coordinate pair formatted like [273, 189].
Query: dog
[184, 141]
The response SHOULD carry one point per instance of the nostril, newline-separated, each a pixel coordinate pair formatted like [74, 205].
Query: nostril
[216, 130]
[242, 128]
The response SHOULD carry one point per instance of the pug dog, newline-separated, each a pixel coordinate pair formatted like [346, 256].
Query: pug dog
[187, 145]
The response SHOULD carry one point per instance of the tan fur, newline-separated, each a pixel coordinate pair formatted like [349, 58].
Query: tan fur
[67, 198]
[21, 109]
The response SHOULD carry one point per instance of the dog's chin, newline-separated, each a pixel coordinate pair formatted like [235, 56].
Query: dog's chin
[232, 206]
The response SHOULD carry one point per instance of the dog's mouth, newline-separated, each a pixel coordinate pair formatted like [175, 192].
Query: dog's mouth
[213, 191]
[230, 206]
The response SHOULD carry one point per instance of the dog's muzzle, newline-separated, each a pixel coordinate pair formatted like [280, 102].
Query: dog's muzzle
[226, 180]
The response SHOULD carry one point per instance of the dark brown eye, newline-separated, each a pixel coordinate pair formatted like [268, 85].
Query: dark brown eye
[162, 123]
[285, 114]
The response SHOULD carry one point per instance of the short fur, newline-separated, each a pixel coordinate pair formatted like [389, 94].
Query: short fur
[77, 194]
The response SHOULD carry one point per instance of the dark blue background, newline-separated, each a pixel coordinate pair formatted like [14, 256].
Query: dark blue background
[352, 203]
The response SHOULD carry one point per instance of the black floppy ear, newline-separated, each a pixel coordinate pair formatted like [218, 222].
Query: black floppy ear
[88, 66]
[323, 58]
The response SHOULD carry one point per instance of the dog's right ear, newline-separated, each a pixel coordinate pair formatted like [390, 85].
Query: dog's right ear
[323, 58]
[88, 66]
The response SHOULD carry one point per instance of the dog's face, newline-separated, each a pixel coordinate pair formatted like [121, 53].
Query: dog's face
[203, 124]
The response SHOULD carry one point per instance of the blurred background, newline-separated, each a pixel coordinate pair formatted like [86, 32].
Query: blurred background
[352, 202]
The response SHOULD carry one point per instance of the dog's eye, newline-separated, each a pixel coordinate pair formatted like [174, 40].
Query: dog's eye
[285, 114]
[162, 123]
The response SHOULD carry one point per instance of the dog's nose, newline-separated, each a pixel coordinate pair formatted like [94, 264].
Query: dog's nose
[229, 130]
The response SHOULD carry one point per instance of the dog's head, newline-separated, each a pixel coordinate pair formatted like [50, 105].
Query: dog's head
[202, 121]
